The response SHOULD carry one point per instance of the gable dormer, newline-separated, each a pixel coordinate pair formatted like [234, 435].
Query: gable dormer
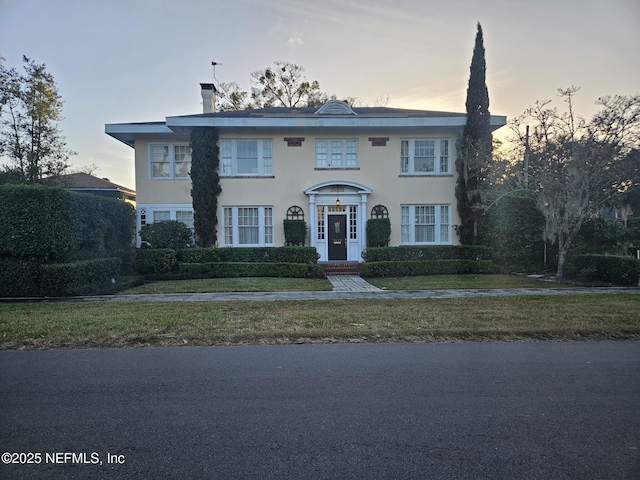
[335, 107]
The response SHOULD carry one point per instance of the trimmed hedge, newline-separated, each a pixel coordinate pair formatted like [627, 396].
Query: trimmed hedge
[59, 225]
[423, 253]
[295, 232]
[19, 277]
[250, 254]
[428, 267]
[605, 268]
[378, 232]
[252, 269]
[198, 255]
[87, 277]
[155, 260]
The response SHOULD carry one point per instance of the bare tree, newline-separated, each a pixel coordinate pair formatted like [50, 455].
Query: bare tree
[576, 167]
[283, 86]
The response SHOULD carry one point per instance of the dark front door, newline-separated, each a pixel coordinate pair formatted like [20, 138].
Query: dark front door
[337, 228]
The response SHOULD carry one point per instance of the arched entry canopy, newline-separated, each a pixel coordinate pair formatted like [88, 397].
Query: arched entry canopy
[337, 226]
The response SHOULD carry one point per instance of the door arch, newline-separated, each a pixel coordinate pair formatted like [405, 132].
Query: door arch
[340, 202]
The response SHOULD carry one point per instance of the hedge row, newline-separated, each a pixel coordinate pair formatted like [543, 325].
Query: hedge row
[423, 253]
[605, 268]
[31, 278]
[249, 269]
[428, 267]
[58, 225]
[165, 260]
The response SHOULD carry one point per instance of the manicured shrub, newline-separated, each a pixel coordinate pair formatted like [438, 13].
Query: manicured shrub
[269, 254]
[58, 225]
[198, 255]
[166, 234]
[422, 253]
[605, 268]
[295, 232]
[428, 267]
[378, 232]
[155, 260]
[19, 277]
[87, 277]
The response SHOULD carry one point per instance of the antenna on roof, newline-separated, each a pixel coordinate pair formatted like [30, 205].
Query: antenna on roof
[213, 65]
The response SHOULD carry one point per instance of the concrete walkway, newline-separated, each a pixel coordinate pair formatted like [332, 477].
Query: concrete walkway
[350, 283]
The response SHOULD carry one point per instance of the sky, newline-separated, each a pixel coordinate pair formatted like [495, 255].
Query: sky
[121, 61]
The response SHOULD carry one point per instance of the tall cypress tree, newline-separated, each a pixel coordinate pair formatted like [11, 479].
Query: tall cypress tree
[205, 184]
[474, 148]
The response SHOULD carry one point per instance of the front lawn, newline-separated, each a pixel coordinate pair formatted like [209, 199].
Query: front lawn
[235, 284]
[448, 282]
[114, 324]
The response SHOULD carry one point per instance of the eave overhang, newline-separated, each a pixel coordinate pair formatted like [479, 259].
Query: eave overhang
[330, 124]
[127, 132]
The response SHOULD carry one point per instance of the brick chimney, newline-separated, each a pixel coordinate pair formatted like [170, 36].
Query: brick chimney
[208, 91]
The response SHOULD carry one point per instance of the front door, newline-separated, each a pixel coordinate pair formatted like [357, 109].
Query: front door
[337, 227]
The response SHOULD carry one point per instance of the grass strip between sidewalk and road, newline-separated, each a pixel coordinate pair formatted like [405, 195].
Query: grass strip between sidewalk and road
[114, 324]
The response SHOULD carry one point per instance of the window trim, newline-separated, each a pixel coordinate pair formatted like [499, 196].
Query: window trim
[266, 231]
[343, 154]
[408, 224]
[171, 160]
[438, 157]
[264, 169]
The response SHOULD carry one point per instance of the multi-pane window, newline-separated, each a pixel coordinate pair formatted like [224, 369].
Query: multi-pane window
[424, 156]
[423, 224]
[320, 223]
[353, 222]
[337, 153]
[244, 226]
[246, 157]
[161, 215]
[169, 160]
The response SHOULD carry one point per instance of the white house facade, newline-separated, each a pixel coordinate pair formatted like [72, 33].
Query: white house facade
[333, 166]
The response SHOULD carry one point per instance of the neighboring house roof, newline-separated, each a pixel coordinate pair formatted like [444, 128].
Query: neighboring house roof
[88, 183]
[333, 116]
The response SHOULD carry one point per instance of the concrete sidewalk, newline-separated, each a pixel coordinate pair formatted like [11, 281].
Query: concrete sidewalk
[352, 294]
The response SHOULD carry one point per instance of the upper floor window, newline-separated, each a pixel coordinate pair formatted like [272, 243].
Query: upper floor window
[170, 160]
[425, 156]
[246, 157]
[337, 153]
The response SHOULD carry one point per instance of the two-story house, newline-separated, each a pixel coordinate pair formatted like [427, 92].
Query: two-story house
[333, 166]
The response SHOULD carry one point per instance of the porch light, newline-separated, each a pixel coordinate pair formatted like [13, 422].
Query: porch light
[338, 201]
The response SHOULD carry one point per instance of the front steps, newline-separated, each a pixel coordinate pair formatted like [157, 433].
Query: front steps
[341, 268]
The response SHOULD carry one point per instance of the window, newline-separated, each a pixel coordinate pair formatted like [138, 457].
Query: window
[424, 156]
[336, 153]
[169, 160]
[248, 226]
[246, 157]
[425, 224]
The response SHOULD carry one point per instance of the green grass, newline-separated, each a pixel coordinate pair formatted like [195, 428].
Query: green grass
[441, 282]
[117, 324]
[236, 284]
[252, 284]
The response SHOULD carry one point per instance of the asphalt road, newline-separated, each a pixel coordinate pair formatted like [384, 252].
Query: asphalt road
[391, 411]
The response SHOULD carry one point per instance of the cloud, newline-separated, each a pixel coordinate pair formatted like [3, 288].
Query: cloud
[295, 40]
